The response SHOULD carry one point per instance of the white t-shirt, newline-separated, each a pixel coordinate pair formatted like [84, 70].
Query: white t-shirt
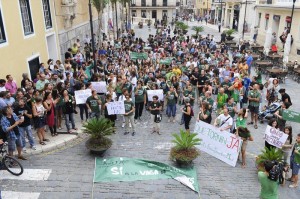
[2, 89]
[224, 123]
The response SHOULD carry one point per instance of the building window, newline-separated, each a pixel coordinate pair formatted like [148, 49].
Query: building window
[143, 12]
[26, 17]
[143, 2]
[165, 15]
[133, 13]
[2, 31]
[165, 2]
[47, 14]
[259, 19]
[153, 2]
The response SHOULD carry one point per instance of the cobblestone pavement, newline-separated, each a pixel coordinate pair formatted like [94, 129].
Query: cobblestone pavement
[72, 167]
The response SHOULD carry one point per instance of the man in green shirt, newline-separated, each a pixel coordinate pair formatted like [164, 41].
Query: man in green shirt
[253, 97]
[171, 103]
[209, 100]
[269, 188]
[93, 104]
[295, 162]
[129, 118]
[221, 98]
[190, 94]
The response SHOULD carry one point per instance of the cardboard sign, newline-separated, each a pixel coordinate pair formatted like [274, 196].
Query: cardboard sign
[275, 137]
[220, 144]
[159, 93]
[100, 87]
[82, 95]
[116, 108]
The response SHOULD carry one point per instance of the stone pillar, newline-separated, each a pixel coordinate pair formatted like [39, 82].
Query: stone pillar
[231, 18]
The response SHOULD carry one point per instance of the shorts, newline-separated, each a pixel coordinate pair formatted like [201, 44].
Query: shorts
[295, 168]
[12, 143]
[39, 122]
[253, 109]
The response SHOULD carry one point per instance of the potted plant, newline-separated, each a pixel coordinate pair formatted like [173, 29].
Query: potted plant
[197, 29]
[99, 129]
[184, 151]
[229, 34]
[272, 154]
[182, 26]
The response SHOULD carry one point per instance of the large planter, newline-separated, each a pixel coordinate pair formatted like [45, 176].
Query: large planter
[229, 38]
[184, 158]
[97, 147]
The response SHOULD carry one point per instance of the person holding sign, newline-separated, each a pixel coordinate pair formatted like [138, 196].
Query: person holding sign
[171, 103]
[93, 104]
[274, 124]
[245, 135]
[224, 121]
[155, 108]
[110, 117]
[140, 100]
[129, 109]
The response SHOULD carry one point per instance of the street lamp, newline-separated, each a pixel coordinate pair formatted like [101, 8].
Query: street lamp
[292, 15]
[244, 24]
[92, 34]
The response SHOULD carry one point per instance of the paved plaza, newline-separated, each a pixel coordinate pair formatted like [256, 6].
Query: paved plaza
[67, 170]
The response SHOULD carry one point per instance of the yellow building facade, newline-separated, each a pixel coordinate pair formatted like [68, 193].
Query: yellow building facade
[27, 33]
[277, 16]
[203, 7]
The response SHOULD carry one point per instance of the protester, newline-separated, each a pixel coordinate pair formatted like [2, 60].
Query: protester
[295, 162]
[269, 188]
[187, 114]
[155, 107]
[129, 117]
[254, 98]
[224, 121]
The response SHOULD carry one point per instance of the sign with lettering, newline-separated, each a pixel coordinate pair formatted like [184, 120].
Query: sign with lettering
[100, 87]
[129, 169]
[275, 137]
[82, 95]
[220, 144]
[290, 115]
[115, 108]
[159, 93]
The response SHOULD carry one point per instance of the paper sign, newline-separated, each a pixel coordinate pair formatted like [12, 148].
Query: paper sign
[115, 108]
[275, 137]
[82, 95]
[220, 144]
[100, 87]
[159, 93]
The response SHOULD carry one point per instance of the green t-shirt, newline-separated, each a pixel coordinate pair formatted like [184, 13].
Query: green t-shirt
[230, 108]
[93, 103]
[139, 97]
[128, 107]
[236, 95]
[186, 93]
[221, 100]
[241, 122]
[171, 98]
[269, 188]
[297, 156]
[254, 94]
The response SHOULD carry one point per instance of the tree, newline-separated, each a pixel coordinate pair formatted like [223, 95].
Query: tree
[114, 5]
[198, 29]
[100, 5]
[124, 3]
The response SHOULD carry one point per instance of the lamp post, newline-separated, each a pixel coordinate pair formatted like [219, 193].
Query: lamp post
[92, 34]
[292, 15]
[245, 19]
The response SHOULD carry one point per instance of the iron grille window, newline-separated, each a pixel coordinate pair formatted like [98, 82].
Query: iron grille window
[165, 2]
[2, 32]
[26, 17]
[47, 14]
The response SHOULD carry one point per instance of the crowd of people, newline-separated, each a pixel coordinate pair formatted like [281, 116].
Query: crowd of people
[199, 77]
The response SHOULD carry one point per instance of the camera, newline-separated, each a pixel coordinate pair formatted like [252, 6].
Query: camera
[276, 173]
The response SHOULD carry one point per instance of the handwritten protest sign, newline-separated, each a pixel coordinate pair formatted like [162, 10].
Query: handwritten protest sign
[159, 93]
[275, 137]
[220, 144]
[100, 87]
[82, 95]
[116, 108]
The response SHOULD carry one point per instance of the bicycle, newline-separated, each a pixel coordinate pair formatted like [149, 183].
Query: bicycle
[8, 163]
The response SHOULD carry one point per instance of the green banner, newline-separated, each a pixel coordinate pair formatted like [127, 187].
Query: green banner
[129, 169]
[135, 55]
[291, 116]
[166, 61]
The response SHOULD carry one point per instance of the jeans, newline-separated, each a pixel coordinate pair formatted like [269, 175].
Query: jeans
[171, 110]
[83, 108]
[129, 118]
[69, 117]
[27, 130]
[138, 110]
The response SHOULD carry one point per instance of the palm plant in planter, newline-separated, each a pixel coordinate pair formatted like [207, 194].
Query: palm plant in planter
[229, 34]
[184, 151]
[197, 29]
[182, 26]
[99, 129]
[272, 154]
